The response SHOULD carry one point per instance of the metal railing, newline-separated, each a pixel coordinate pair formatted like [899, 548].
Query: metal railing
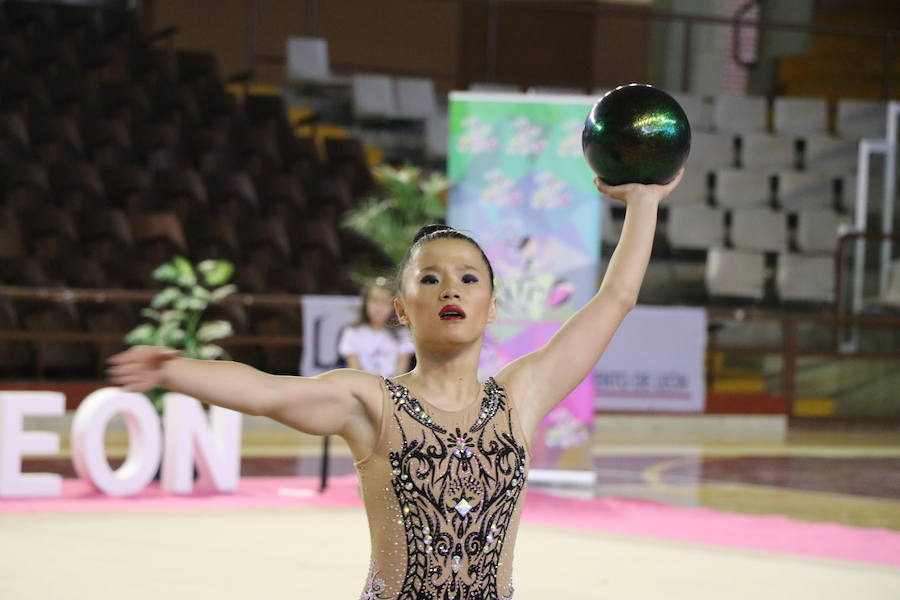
[141, 297]
[840, 263]
[789, 350]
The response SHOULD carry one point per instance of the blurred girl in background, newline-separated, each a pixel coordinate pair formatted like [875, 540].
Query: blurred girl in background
[376, 343]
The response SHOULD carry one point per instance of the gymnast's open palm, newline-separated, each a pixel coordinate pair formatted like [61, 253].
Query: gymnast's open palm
[140, 368]
[631, 192]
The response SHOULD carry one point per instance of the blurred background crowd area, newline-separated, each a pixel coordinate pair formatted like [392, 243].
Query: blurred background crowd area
[246, 129]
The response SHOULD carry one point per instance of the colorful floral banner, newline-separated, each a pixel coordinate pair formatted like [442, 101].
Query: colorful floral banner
[523, 189]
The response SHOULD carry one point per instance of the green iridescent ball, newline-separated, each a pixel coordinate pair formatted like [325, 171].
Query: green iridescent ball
[636, 134]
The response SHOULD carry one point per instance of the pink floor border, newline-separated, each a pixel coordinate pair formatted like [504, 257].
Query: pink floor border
[615, 515]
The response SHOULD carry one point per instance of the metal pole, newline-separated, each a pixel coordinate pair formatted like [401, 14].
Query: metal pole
[789, 360]
[890, 186]
[323, 473]
[866, 148]
[859, 224]
[686, 57]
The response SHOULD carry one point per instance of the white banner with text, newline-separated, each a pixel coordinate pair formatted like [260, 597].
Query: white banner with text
[654, 362]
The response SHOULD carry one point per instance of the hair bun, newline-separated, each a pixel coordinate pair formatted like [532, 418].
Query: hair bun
[429, 229]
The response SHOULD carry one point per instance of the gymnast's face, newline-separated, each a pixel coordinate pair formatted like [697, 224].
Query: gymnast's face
[445, 295]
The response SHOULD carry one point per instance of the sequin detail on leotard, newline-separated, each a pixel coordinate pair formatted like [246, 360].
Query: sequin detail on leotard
[374, 586]
[458, 489]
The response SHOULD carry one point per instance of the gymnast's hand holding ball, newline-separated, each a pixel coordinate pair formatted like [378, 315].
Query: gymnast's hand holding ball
[636, 193]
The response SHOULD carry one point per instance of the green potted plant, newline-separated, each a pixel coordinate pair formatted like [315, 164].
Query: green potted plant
[177, 310]
[405, 200]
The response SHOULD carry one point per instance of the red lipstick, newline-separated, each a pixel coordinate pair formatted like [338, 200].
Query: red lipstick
[451, 312]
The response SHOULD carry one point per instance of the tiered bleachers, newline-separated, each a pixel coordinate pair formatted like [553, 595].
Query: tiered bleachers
[767, 190]
[116, 153]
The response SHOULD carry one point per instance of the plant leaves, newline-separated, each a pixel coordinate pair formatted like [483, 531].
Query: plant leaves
[436, 185]
[222, 292]
[173, 315]
[152, 314]
[186, 275]
[201, 293]
[166, 272]
[214, 330]
[211, 351]
[191, 303]
[165, 334]
[166, 297]
[216, 272]
[174, 338]
[142, 335]
[404, 202]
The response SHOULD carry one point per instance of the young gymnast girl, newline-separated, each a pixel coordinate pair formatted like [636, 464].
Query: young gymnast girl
[442, 458]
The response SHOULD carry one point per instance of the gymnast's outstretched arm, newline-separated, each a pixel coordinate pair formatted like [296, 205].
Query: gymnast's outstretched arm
[541, 379]
[331, 403]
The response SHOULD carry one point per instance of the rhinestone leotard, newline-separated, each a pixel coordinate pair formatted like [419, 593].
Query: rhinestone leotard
[443, 492]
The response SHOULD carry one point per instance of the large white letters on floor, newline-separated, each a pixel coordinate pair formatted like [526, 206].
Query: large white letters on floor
[15, 441]
[214, 445]
[217, 445]
[144, 441]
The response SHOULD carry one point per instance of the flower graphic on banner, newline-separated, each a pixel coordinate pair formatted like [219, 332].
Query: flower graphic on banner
[565, 429]
[538, 222]
[500, 190]
[475, 137]
[527, 289]
[527, 138]
[570, 138]
[549, 192]
[561, 293]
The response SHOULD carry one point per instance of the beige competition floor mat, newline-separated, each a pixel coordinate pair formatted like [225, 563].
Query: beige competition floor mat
[322, 554]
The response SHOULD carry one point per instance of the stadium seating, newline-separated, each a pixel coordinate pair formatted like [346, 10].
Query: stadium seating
[735, 273]
[797, 190]
[765, 151]
[694, 186]
[374, 97]
[739, 114]
[861, 118]
[800, 116]
[759, 229]
[308, 61]
[805, 278]
[416, 98]
[698, 110]
[737, 187]
[818, 229]
[695, 227]
[117, 152]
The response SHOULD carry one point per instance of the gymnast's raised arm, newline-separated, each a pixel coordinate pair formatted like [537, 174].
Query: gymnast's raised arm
[330, 403]
[544, 377]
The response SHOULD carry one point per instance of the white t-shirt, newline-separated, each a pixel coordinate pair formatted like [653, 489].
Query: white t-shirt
[376, 349]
